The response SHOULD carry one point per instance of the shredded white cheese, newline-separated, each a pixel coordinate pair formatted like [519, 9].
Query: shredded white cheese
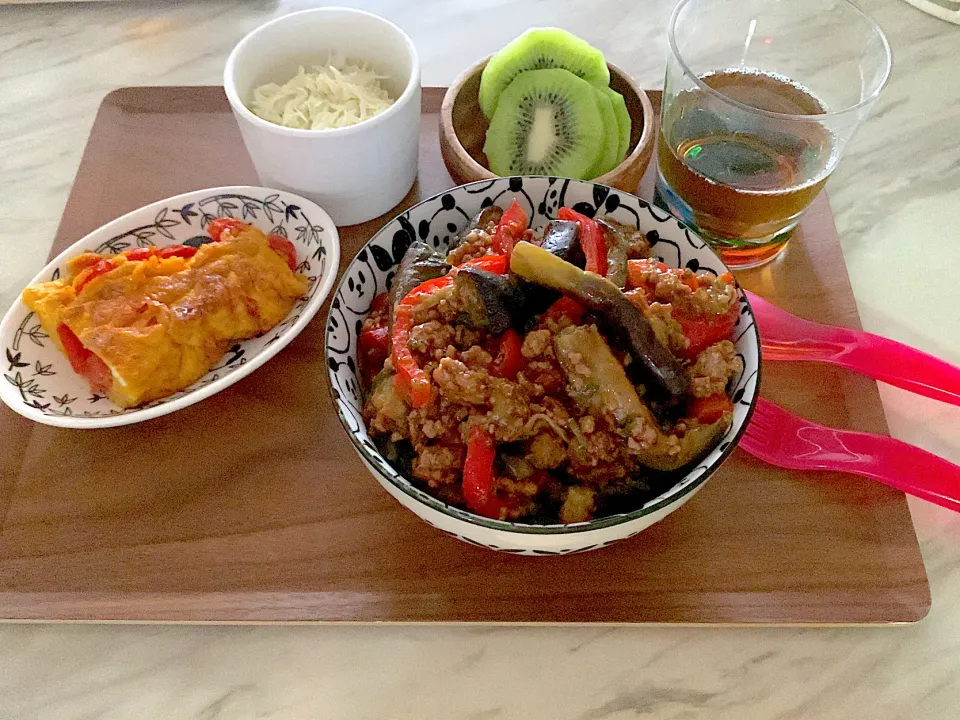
[334, 95]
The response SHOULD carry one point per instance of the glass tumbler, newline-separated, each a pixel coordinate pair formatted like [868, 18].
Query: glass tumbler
[760, 99]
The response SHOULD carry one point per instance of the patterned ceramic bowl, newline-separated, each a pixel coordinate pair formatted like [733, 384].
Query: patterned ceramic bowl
[38, 381]
[440, 219]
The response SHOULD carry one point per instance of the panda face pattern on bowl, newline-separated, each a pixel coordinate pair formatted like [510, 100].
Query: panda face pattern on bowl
[38, 381]
[438, 221]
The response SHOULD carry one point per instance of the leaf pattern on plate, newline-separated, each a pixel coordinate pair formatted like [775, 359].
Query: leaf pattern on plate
[41, 376]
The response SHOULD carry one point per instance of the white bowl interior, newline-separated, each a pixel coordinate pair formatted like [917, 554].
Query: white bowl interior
[274, 52]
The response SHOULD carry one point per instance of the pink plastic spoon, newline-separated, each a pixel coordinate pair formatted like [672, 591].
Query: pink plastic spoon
[787, 337]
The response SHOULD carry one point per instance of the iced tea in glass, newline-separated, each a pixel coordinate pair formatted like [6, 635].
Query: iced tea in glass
[760, 99]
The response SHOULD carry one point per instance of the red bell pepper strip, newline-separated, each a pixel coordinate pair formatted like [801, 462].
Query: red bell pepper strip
[179, 251]
[510, 229]
[637, 270]
[703, 330]
[380, 303]
[509, 358]
[592, 239]
[139, 253]
[497, 264]
[478, 492]
[373, 347]
[101, 267]
[411, 381]
[284, 248]
[217, 227]
[711, 408]
[72, 348]
[373, 344]
[83, 361]
[566, 307]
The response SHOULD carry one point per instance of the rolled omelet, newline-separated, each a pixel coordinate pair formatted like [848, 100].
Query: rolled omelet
[141, 329]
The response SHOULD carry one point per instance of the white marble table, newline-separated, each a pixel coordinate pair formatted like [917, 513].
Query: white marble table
[897, 201]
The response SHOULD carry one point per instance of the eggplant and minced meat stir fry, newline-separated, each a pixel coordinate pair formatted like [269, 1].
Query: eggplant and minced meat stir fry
[545, 377]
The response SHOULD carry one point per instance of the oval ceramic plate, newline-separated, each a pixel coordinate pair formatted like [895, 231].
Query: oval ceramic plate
[38, 381]
[438, 221]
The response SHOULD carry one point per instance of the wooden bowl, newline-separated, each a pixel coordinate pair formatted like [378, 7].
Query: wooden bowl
[463, 129]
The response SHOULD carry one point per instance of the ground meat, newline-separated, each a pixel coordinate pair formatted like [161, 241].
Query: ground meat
[547, 452]
[572, 459]
[465, 337]
[546, 375]
[509, 412]
[713, 369]
[667, 444]
[555, 409]
[670, 287]
[536, 343]
[548, 417]
[529, 386]
[436, 422]
[385, 411]
[641, 434]
[476, 244]
[431, 339]
[459, 384]
[443, 304]
[508, 406]
[713, 295]
[555, 325]
[667, 330]
[379, 317]
[578, 505]
[599, 457]
[476, 357]
[439, 464]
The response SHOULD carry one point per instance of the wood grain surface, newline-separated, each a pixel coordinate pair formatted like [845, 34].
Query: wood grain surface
[251, 506]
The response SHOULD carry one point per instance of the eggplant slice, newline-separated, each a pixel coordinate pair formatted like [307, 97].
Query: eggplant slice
[617, 253]
[499, 302]
[481, 220]
[536, 265]
[562, 238]
[419, 264]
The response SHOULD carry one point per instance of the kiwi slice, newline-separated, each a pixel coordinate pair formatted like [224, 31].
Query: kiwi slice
[540, 49]
[608, 158]
[547, 123]
[623, 122]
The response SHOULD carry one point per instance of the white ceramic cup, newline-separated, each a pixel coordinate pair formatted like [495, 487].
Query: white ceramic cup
[354, 173]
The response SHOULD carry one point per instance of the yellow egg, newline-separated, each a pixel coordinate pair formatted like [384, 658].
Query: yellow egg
[151, 327]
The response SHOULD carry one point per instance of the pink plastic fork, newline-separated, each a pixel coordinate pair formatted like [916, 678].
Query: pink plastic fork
[787, 337]
[786, 440]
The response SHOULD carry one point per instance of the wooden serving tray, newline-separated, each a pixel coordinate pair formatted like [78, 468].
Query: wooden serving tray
[252, 506]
